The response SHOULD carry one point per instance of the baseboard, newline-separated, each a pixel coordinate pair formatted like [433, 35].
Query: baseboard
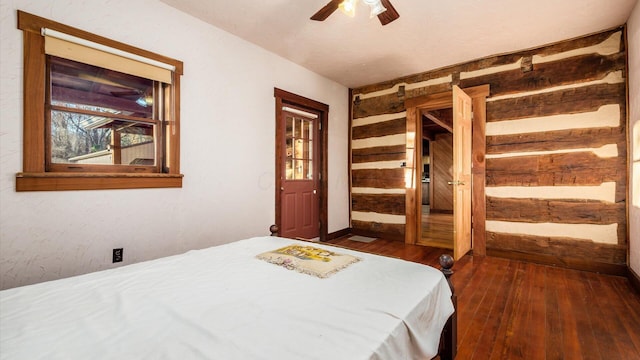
[339, 234]
[634, 279]
[564, 262]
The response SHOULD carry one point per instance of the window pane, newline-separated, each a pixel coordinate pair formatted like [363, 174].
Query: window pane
[309, 170]
[298, 123]
[299, 170]
[298, 148]
[289, 147]
[83, 86]
[100, 116]
[289, 169]
[87, 139]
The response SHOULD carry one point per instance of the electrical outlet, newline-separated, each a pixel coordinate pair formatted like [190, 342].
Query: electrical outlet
[117, 255]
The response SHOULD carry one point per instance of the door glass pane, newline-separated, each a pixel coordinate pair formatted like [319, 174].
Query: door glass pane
[298, 148]
[289, 169]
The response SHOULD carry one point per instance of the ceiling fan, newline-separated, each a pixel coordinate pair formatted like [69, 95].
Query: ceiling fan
[382, 8]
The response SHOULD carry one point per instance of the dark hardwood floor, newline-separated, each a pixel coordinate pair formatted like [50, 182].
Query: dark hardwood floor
[509, 309]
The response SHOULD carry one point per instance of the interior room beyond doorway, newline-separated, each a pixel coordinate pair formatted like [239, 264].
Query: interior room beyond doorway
[437, 167]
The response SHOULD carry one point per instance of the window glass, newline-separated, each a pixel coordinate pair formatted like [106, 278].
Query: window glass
[100, 116]
[299, 148]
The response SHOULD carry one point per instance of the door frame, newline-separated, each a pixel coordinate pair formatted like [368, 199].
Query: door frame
[284, 98]
[414, 109]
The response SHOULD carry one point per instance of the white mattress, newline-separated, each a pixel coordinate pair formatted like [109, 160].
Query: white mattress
[223, 303]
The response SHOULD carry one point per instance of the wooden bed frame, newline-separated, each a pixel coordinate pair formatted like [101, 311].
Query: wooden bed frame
[449, 338]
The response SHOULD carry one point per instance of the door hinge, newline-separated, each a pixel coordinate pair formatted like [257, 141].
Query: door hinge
[319, 176]
[319, 125]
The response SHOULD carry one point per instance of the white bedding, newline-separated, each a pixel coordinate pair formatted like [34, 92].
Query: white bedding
[223, 303]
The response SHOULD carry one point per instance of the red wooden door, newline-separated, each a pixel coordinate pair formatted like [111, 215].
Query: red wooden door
[299, 186]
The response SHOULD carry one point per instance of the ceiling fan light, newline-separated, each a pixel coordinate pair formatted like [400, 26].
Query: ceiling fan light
[348, 7]
[376, 7]
[145, 101]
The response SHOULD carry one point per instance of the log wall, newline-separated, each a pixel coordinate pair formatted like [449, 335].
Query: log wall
[556, 161]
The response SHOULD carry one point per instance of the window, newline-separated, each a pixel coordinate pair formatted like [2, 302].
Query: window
[299, 145]
[98, 114]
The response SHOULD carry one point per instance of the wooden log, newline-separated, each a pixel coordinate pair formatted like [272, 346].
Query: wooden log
[558, 163]
[378, 178]
[580, 99]
[380, 203]
[492, 61]
[393, 232]
[379, 153]
[556, 140]
[581, 177]
[561, 246]
[577, 169]
[578, 43]
[572, 70]
[411, 79]
[563, 252]
[560, 211]
[391, 103]
[385, 104]
[391, 127]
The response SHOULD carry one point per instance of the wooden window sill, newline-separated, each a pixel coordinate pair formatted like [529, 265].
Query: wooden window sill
[95, 181]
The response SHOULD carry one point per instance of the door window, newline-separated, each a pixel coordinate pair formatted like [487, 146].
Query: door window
[299, 147]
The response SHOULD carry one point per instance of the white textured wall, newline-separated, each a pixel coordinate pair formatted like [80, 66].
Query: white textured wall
[633, 33]
[227, 152]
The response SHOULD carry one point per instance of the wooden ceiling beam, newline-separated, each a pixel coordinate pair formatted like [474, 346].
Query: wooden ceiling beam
[75, 96]
[441, 122]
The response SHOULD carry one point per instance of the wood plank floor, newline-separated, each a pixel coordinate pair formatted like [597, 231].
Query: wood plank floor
[437, 230]
[509, 309]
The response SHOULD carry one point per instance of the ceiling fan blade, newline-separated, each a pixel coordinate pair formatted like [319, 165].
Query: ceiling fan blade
[126, 93]
[326, 10]
[388, 16]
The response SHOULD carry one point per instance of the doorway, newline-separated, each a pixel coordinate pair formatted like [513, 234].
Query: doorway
[301, 167]
[437, 166]
[468, 186]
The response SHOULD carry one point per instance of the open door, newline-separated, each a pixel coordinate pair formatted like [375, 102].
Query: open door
[461, 173]
[461, 103]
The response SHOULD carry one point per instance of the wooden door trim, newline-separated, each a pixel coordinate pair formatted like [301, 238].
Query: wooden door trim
[414, 108]
[286, 98]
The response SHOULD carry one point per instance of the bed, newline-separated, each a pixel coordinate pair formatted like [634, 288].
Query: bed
[227, 302]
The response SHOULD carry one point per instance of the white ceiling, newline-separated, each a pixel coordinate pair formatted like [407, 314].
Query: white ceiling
[428, 35]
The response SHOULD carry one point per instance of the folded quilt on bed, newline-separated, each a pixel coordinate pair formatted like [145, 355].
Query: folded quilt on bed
[309, 260]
